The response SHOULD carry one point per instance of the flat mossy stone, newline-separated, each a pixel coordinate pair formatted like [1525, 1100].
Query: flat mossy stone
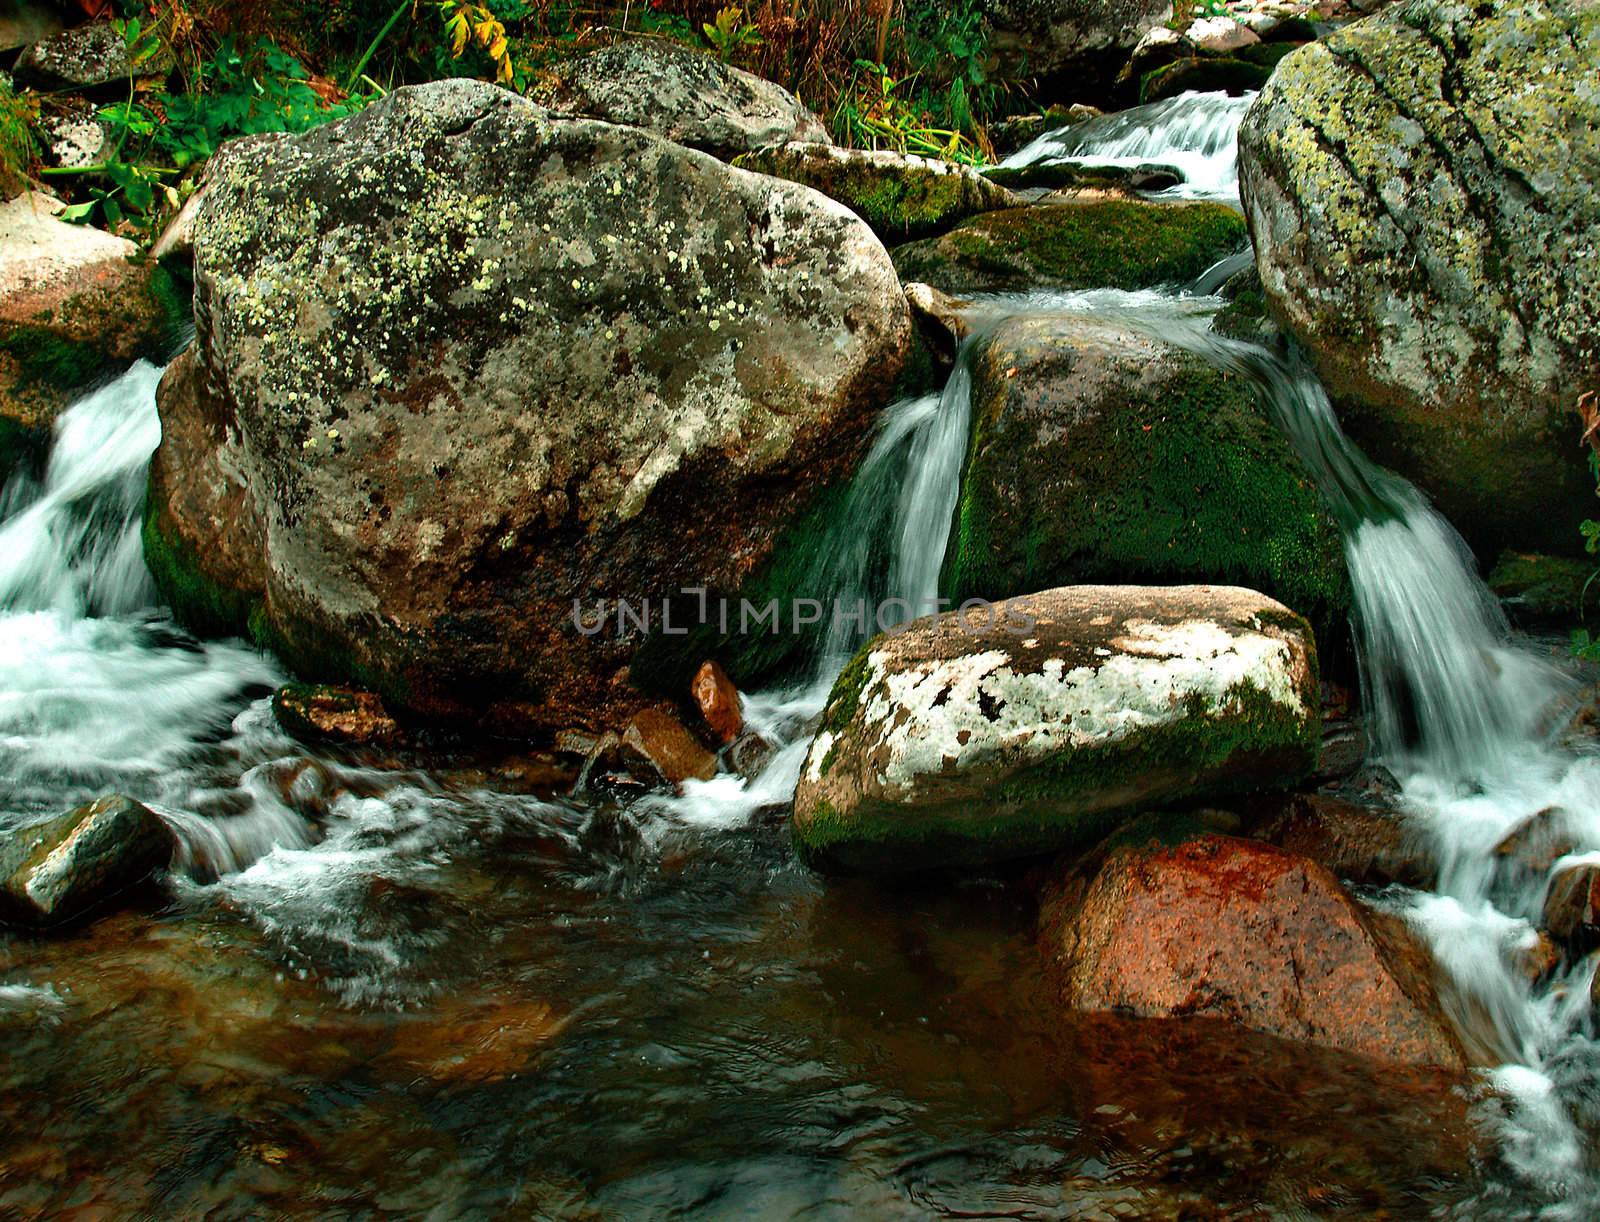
[1127, 244]
[1204, 74]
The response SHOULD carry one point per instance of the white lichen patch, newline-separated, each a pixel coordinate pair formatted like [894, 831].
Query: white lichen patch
[966, 712]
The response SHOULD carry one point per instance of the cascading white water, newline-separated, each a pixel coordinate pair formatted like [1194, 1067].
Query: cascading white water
[98, 692]
[1196, 134]
[884, 553]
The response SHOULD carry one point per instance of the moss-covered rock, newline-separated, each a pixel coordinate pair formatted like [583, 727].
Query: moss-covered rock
[1547, 591]
[76, 306]
[1109, 244]
[1099, 454]
[1060, 175]
[900, 195]
[1204, 74]
[1420, 187]
[1037, 724]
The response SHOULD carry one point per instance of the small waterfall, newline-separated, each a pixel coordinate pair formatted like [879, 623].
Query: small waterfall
[99, 692]
[1196, 134]
[885, 552]
[73, 546]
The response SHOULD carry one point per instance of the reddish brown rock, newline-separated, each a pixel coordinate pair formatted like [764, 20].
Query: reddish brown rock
[656, 744]
[1230, 928]
[1536, 842]
[322, 713]
[1572, 907]
[719, 701]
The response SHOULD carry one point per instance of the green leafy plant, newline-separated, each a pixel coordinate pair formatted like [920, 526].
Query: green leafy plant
[874, 113]
[731, 33]
[18, 114]
[244, 88]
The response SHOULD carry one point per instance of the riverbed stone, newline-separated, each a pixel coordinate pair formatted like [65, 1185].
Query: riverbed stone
[1203, 74]
[1572, 906]
[681, 94]
[1222, 927]
[1033, 724]
[322, 712]
[57, 870]
[657, 747]
[77, 306]
[1419, 185]
[1119, 243]
[901, 195]
[461, 363]
[718, 701]
[1100, 454]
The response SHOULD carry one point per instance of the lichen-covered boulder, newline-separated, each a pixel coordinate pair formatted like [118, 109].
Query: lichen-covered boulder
[1120, 243]
[1420, 186]
[460, 363]
[61, 868]
[1075, 46]
[901, 195]
[681, 94]
[1098, 453]
[86, 57]
[76, 307]
[1031, 725]
[1219, 927]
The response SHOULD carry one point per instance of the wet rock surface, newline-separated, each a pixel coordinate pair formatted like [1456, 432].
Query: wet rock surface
[1181, 474]
[76, 307]
[1113, 243]
[1223, 927]
[901, 195]
[320, 712]
[1035, 724]
[62, 869]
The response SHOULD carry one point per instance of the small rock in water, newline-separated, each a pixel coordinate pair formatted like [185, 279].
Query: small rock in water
[939, 318]
[1536, 842]
[320, 712]
[1539, 958]
[750, 754]
[656, 747]
[718, 700]
[58, 870]
[1227, 928]
[1572, 908]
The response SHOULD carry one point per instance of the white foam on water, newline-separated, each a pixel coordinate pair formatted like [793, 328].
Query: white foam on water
[1194, 133]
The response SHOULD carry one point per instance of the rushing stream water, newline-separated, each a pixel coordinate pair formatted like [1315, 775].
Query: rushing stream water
[384, 987]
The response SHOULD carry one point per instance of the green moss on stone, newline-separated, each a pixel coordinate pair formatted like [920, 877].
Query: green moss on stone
[1204, 74]
[201, 604]
[1126, 244]
[1192, 483]
[1548, 591]
[46, 359]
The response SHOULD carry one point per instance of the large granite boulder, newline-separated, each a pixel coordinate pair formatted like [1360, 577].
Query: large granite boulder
[1220, 927]
[460, 363]
[76, 307]
[1100, 454]
[681, 94]
[1031, 725]
[1420, 186]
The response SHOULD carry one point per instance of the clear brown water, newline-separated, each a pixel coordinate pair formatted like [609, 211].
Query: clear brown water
[531, 1009]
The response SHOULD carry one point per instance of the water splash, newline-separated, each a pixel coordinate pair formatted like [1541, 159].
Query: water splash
[1194, 133]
